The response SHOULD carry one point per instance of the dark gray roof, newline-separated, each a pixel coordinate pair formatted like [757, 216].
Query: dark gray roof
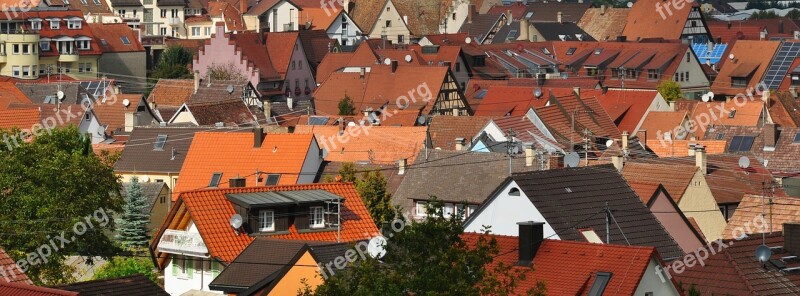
[574, 198]
[329, 253]
[134, 285]
[119, 3]
[172, 3]
[552, 31]
[455, 176]
[507, 33]
[282, 197]
[151, 190]
[481, 25]
[37, 92]
[139, 155]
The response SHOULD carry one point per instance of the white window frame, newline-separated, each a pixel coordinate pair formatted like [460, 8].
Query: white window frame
[84, 44]
[207, 31]
[88, 68]
[55, 25]
[265, 216]
[45, 46]
[182, 273]
[36, 25]
[317, 217]
[421, 208]
[448, 210]
[15, 71]
[80, 67]
[197, 33]
[16, 48]
[26, 49]
[26, 71]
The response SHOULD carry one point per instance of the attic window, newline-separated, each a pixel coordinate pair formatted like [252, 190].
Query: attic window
[161, 140]
[215, 180]
[598, 51]
[272, 179]
[600, 282]
[103, 42]
[720, 136]
[741, 143]
[571, 50]
[568, 190]
[513, 192]
[125, 40]
[545, 51]
[796, 138]
[732, 114]
[591, 236]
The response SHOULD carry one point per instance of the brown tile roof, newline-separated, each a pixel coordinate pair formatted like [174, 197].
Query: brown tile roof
[750, 56]
[363, 56]
[316, 45]
[604, 25]
[132, 285]
[371, 144]
[171, 92]
[784, 109]
[140, 155]
[644, 22]
[750, 29]
[674, 177]
[444, 130]
[423, 19]
[779, 210]
[113, 115]
[545, 11]
[366, 12]
[109, 36]
[232, 112]
[679, 148]
[712, 114]
[645, 190]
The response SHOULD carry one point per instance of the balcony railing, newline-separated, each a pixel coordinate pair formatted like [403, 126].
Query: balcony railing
[182, 242]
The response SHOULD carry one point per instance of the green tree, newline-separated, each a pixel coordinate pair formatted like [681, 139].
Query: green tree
[346, 106]
[53, 186]
[132, 228]
[125, 266]
[429, 258]
[173, 63]
[764, 14]
[670, 90]
[224, 72]
[793, 14]
[372, 189]
[348, 172]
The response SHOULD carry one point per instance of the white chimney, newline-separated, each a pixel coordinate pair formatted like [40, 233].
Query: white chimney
[346, 5]
[401, 166]
[618, 162]
[691, 149]
[290, 103]
[460, 144]
[700, 158]
[196, 80]
[560, 17]
[529, 157]
[624, 141]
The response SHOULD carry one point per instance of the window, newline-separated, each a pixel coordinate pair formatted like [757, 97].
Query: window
[125, 40]
[293, 65]
[686, 75]
[15, 49]
[388, 24]
[600, 282]
[401, 39]
[421, 208]
[163, 13]
[15, 71]
[208, 31]
[448, 210]
[36, 25]
[514, 192]
[163, 31]
[796, 138]
[121, 12]
[458, 66]
[26, 71]
[174, 13]
[266, 220]
[161, 140]
[652, 74]
[272, 179]
[732, 114]
[83, 44]
[720, 136]
[738, 81]
[44, 45]
[33, 70]
[87, 116]
[571, 50]
[215, 180]
[454, 16]
[80, 67]
[97, 2]
[741, 143]
[317, 219]
[195, 31]
[54, 25]
[300, 65]
[688, 56]
[88, 67]
[84, 2]
[73, 24]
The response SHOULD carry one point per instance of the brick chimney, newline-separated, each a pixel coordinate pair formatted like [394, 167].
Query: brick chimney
[460, 144]
[556, 161]
[770, 135]
[258, 137]
[401, 166]
[531, 235]
[470, 12]
[237, 182]
[242, 6]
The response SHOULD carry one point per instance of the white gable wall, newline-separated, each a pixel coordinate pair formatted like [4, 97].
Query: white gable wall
[502, 212]
[652, 283]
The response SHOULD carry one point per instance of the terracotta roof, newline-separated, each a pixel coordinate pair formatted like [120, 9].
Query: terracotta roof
[627, 108]
[171, 92]
[545, 11]
[733, 270]
[604, 24]
[210, 210]
[783, 210]
[320, 18]
[254, 52]
[750, 56]
[679, 148]
[447, 39]
[132, 285]
[280, 47]
[675, 177]
[19, 289]
[197, 19]
[21, 118]
[109, 37]
[11, 272]
[783, 109]
[645, 190]
[516, 100]
[316, 45]
[25, 116]
[230, 112]
[47, 32]
[719, 113]
[264, 6]
[372, 144]
[570, 268]
[731, 31]
[643, 23]
[657, 123]
[232, 154]
[444, 130]
[113, 115]
[9, 93]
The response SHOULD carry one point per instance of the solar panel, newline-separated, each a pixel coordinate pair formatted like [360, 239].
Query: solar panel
[161, 140]
[735, 143]
[720, 136]
[481, 93]
[787, 53]
[318, 120]
[125, 40]
[747, 142]
[571, 50]
[741, 143]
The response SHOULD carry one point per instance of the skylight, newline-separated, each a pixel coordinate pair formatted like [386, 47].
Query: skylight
[215, 180]
[720, 136]
[600, 282]
[571, 50]
[796, 138]
[732, 114]
[272, 179]
[161, 140]
[125, 40]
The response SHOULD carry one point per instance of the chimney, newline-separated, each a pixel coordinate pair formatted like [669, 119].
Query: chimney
[470, 12]
[362, 73]
[624, 142]
[401, 166]
[671, 105]
[556, 161]
[523, 30]
[196, 80]
[602, 9]
[691, 149]
[237, 182]
[242, 6]
[780, 27]
[770, 135]
[460, 144]
[791, 238]
[642, 135]
[618, 162]
[258, 137]
[509, 16]
[577, 90]
[529, 156]
[560, 17]
[346, 6]
[268, 110]
[531, 235]
[700, 158]
[394, 66]
[290, 103]
[130, 121]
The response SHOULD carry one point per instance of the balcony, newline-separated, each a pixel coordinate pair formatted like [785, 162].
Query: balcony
[182, 242]
[174, 21]
[68, 57]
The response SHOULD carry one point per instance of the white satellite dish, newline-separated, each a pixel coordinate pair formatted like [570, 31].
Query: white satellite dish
[706, 98]
[236, 221]
[387, 61]
[572, 159]
[731, 56]
[408, 58]
[126, 103]
[744, 162]
[145, 179]
[609, 143]
[229, 89]
[630, 4]
[351, 124]
[467, 40]
[763, 253]
[60, 95]
[421, 120]
[537, 92]
[711, 94]
[324, 152]
[377, 247]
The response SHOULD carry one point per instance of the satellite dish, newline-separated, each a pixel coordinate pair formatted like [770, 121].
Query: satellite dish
[630, 4]
[387, 61]
[230, 89]
[60, 95]
[324, 152]
[126, 102]
[706, 98]
[572, 159]
[145, 179]
[377, 247]
[744, 162]
[763, 253]
[731, 56]
[351, 124]
[467, 40]
[609, 143]
[537, 92]
[236, 221]
[408, 58]
[421, 120]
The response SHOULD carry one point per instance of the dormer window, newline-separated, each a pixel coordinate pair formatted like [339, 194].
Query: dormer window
[36, 24]
[738, 81]
[266, 220]
[55, 24]
[73, 24]
[317, 218]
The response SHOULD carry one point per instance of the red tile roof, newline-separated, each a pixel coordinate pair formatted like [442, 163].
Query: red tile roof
[784, 210]
[18, 289]
[372, 144]
[210, 211]
[658, 123]
[675, 177]
[679, 148]
[568, 268]
[10, 271]
[232, 154]
[645, 22]
[516, 100]
[47, 32]
[280, 47]
[109, 36]
[751, 56]
[9, 93]
[113, 115]
[627, 108]
[748, 113]
[645, 190]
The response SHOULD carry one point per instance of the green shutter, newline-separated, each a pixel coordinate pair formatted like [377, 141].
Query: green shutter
[214, 268]
[175, 265]
[189, 266]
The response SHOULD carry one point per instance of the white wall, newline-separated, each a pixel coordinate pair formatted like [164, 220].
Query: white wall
[311, 164]
[651, 282]
[201, 273]
[460, 9]
[348, 37]
[504, 211]
[287, 13]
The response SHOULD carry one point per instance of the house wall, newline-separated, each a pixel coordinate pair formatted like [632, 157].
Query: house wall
[461, 74]
[130, 67]
[398, 26]
[504, 211]
[176, 283]
[218, 51]
[203, 26]
[184, 117]
[91, 126]
[698, 202]
[311, 164]
[652, 283]
[451, 24]
[174, 30]
[698, 82]
[286, 13]
[347, 37]
[300, 73]
[74, 72]
[670, 217]
[159, 210]
[305, 269]
[19, 60]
